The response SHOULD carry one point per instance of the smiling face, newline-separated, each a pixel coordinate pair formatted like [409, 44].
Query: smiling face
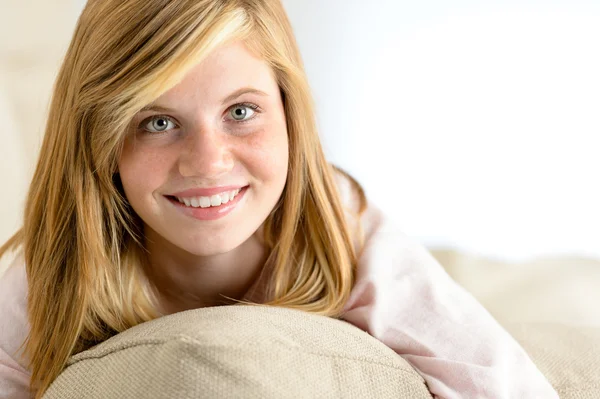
[220, 130]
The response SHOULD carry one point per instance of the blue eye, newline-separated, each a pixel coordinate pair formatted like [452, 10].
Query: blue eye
[243, 112]
[158, 124]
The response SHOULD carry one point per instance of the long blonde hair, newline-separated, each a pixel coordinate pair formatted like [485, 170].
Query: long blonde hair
[82, 242]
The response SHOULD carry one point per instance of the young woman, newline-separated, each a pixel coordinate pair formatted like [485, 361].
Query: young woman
[181, 168]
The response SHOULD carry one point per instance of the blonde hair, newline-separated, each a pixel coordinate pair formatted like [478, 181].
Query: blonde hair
[82, 242]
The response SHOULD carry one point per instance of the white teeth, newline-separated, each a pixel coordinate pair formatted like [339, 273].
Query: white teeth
[214, 200]
[204, 202]
[224, 198]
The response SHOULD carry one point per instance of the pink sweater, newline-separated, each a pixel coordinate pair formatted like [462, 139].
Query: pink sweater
[402, 297]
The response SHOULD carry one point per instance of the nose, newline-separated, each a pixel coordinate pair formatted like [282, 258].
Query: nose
[206, 153]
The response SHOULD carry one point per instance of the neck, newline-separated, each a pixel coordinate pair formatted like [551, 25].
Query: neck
[185, 281]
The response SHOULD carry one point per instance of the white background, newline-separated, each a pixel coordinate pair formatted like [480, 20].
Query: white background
[475, 124]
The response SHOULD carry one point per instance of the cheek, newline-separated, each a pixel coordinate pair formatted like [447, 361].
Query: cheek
[141, 171]
[269, 153]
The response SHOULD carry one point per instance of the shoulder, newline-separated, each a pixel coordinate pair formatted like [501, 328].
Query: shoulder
[13, 309]
[385, 253]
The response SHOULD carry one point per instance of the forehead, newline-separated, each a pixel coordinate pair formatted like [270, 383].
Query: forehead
[223, 71]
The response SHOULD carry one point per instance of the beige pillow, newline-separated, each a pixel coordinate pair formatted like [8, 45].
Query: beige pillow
[569, 356]
[264, 352]
[240, 352]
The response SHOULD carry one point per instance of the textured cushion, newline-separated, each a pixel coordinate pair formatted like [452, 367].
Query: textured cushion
[240, 352]
[556, 289]
[568, 356]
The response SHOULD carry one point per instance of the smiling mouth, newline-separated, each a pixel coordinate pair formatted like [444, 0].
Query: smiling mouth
[203, 202]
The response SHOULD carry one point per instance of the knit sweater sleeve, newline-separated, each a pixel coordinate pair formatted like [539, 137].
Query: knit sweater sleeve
[404, 298]
[14, 376]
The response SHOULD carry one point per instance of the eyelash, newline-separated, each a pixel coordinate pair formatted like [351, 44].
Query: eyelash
[142, 124]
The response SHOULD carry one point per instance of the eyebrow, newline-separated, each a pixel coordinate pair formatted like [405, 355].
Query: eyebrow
[231, 97]
[243, 90]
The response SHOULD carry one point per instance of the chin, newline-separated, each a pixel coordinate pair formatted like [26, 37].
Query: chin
[216, 246]
[209, 251]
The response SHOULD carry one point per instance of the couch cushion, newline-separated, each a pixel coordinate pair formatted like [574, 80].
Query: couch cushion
[556, 289]
[240, 351]
[569, 356]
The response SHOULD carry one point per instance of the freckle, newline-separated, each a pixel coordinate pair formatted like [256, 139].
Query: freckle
[258, 138]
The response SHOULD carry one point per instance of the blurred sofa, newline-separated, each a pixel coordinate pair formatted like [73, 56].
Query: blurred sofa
[32, 44]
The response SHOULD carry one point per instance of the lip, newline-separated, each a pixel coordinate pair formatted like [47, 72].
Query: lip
[210, 213]
[205, 192]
